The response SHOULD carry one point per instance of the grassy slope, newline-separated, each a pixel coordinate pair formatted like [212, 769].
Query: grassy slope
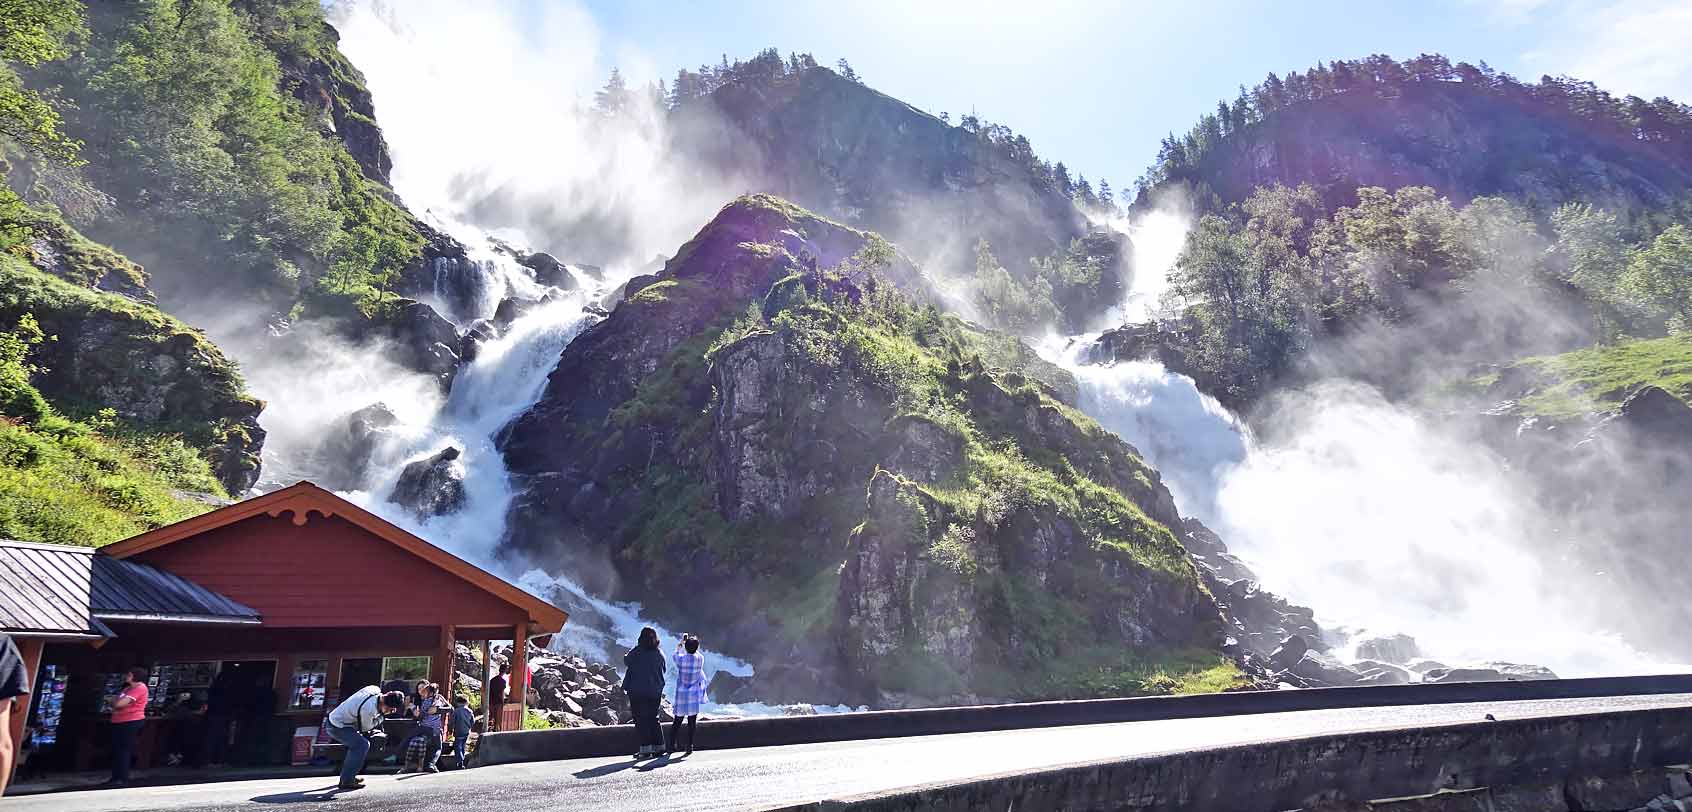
[64, 482]
[68, 473]
[929, 367]
[1600, 378]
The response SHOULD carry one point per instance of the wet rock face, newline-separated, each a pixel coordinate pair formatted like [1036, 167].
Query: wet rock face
[1272, 634]
[922, 583]
[336, 91]
[431, 487]
[426, 342]
[342, 460]
[548, 270]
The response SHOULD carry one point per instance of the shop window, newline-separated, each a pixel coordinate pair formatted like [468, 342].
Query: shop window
[409, 669]
[307, 689]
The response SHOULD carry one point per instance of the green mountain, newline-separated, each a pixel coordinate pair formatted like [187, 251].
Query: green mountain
[1399, 222]
[1461, 130]
[226, 145]
[880, 500]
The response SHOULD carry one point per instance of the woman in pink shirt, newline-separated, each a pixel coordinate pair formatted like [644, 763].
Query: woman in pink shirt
[129, 707]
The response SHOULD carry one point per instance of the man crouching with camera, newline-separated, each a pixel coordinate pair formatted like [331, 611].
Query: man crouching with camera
[357, 723]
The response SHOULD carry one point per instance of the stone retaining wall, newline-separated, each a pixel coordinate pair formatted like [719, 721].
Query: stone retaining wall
[551, 745]
[1488, 766]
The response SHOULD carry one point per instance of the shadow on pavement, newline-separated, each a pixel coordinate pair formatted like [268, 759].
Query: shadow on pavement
[657, 763]
[619, 766]
[304, 796]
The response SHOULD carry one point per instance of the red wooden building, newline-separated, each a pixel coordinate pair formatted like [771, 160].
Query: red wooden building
[309, 597]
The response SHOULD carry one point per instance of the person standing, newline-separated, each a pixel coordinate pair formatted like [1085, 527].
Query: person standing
[462, 721]
[220, 713]
[129, 708]
[14, 685]
[495, 699]
[690, 691]
[352, 721]
[643, 682]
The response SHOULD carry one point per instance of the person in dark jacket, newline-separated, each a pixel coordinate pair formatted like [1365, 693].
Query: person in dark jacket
[643, 681]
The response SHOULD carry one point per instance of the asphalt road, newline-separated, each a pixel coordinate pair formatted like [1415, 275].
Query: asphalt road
[764, 778]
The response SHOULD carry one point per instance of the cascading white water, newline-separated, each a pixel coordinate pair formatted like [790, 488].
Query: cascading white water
[507, 376]
[1362, 512]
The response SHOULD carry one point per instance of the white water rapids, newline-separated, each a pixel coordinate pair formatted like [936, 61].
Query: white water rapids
[507, 376]
[1364, 513]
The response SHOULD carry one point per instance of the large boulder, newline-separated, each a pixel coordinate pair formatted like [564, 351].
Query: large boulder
[1655, 412]
[431, 487]
[548, 270]
[425, 341]
[1399, 649]
[1290, 652]
[726, 688]
[1379, 673]
[341, 462]
[1323, 669]
[1521, 671]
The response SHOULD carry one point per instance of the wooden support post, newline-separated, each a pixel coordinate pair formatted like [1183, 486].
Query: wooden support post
[519, 675]
[490, 714]
[441, 670]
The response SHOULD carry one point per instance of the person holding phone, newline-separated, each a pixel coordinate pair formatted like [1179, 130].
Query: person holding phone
[690, 692]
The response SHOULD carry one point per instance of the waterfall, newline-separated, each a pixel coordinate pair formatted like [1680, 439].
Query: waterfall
[507, 376]
[1360, 510]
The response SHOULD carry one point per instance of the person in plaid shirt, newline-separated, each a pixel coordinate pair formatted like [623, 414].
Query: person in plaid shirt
[690, 690]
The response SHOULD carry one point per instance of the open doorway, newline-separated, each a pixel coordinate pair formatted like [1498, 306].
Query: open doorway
[247, 690]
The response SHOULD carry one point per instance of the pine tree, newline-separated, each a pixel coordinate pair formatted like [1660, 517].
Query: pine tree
[1107, 199]
[1084, 192]
[846, 72]
[612, 99]
[1060, 175]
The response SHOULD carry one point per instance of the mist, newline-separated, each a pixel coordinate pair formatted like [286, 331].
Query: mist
[488, 111]
[1386, 524]
[1346, 492]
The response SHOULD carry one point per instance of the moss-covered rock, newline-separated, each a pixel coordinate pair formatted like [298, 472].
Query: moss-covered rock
[723, 425]
[108, 351]
[56, 248]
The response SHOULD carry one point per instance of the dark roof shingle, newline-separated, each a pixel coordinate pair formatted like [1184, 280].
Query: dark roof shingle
[57, 589]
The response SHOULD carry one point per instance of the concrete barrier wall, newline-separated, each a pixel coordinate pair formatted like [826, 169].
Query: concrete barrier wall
[1535, 757]
[550, 745]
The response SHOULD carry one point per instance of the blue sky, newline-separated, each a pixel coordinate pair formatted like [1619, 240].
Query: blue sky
[1096, 85]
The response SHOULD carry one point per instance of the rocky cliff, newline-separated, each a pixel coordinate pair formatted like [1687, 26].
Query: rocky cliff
[769, 437]
[871, 161]
[154, 372]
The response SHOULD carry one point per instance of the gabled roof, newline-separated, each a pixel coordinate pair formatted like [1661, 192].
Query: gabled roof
[63, 591]
[304, 498]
